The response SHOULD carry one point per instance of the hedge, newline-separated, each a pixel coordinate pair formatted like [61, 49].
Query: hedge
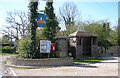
[7, 49]
[7, 44]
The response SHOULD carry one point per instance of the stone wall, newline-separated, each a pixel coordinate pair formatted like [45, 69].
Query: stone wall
[42, 62]
[118, 50]
[114, 50]
[61, 54]
[79, 52]
[94, 47]
[62, 47]
[94, 52]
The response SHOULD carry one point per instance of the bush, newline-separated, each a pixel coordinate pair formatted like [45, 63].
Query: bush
[5, 44]
[24, 48]
[8, 49]
[8, 44]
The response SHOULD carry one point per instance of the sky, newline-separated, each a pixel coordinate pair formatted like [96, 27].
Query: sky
[89, 10]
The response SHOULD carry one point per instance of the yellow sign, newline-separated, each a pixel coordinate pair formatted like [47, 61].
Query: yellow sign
[41, 21]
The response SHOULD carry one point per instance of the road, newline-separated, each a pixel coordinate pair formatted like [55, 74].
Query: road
[4, 71]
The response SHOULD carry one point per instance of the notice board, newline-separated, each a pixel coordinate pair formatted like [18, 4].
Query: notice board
[45, 46]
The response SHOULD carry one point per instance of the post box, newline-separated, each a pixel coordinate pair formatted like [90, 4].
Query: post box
[52, 47]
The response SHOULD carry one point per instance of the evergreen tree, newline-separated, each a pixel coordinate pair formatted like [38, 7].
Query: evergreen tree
[33, 16]
[51, 22]
[119, 31]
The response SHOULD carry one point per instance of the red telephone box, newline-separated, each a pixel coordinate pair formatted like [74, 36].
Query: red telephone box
[52, 46]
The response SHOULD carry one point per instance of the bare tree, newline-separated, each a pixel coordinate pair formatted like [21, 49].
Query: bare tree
[17, 25]
[68, 14]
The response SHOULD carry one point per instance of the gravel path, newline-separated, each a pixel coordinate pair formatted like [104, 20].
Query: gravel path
[109, 67]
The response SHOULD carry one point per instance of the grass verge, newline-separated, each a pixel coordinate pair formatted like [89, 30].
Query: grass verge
[6, 53]
[87, 60]
[4, 62]
[21, 68]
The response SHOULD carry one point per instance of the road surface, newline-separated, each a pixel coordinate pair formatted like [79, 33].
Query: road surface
[4, 71]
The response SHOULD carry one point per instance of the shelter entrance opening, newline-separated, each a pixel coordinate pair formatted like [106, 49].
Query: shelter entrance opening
[86, 46]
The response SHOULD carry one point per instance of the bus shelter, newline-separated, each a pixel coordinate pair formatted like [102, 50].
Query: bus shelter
[83, 44]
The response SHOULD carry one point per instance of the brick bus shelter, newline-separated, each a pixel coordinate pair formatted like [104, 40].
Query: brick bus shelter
[83, 44]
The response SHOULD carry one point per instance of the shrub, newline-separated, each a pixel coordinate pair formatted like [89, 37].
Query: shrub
[24, 48]
[8, 44]
[8, 49]
[5, 44]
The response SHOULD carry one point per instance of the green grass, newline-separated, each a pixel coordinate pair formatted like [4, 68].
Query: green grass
[59, 66]
[6, 53]
[21, 68]
[4, 62]
[87, 60]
